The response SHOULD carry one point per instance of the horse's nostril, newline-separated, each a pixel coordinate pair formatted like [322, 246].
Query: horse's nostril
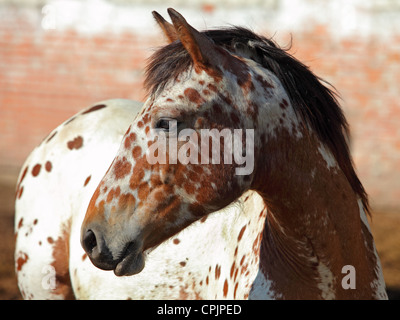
[94, 245]
[89, 241]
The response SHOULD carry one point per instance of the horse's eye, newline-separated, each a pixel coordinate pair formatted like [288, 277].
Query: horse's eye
[167, 124]
[163, 124]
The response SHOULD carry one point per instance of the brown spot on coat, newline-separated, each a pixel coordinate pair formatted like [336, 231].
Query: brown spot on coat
[264, 82]
[113, 193]
[136, 152]
[21, 260]
[234, 292]
[225, 288]
[48, 166]
[51, 137]
[76, 143]
[136, 177]
[20, 189]
[20, 223]
[20, 192]
[126, 200]
[61, 264]
[23, 175]
[146, 118]
[194, 96]
[122, 168]
[232, 269]
[95, 108]
[69, 121]
[129, 139]
[241, 233]
[217, 272]
[143, 191]
[87, 181]
[36, 170]
[212, 87]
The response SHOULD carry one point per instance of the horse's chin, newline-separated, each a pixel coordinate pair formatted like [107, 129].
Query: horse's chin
[131, 264]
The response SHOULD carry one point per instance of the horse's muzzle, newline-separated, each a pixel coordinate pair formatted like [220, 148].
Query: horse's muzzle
[129, 261]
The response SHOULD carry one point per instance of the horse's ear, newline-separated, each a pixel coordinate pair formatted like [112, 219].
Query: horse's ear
[200, 47]
[166, 27]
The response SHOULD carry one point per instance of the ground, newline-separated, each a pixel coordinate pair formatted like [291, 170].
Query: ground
[385, 227]
[8, 282]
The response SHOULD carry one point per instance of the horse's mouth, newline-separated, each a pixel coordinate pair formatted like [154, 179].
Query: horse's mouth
[131, 261]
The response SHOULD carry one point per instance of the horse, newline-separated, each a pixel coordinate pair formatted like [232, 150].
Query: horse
[314, 242]
[54, 187]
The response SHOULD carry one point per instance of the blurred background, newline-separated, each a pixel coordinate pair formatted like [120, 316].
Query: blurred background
[58, 57]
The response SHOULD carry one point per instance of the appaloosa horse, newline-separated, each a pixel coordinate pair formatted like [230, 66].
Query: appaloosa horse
[54, 189]
[316, 225]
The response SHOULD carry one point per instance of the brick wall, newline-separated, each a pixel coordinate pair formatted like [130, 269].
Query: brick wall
[57, 57]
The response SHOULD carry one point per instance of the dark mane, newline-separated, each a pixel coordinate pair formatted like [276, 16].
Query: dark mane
[314, 103]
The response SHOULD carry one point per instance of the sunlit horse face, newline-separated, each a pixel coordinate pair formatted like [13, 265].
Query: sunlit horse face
[140, 204]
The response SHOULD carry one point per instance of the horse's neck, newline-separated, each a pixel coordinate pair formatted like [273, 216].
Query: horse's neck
[315, 226]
